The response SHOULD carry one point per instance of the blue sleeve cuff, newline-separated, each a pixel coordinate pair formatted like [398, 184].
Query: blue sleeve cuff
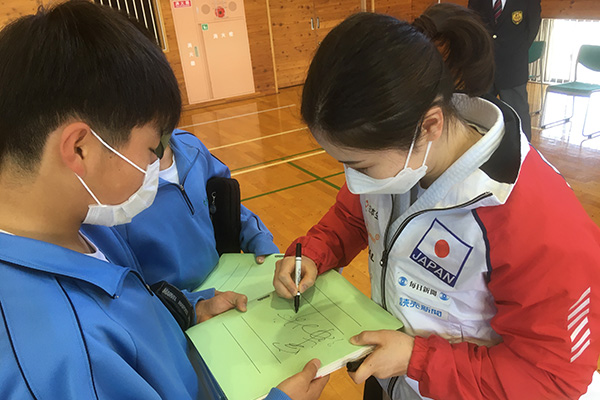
[263, 246]
[276, 394]
[195, 297]
[255, 237]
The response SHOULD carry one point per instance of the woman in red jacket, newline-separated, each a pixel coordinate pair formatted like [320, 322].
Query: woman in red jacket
[476, 243]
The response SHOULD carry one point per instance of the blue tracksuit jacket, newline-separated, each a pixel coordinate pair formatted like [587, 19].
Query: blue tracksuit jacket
[174, 238]
[75, 327]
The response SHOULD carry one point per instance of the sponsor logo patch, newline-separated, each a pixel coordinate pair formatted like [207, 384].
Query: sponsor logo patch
[442, 253]
[418, 287]
[408, 303]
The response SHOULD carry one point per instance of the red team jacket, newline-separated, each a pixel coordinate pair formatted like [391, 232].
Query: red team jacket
[496, 272]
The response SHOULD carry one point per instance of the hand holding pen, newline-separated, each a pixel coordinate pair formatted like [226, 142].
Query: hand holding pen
[284, 279]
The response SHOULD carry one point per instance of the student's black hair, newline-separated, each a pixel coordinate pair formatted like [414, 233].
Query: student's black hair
[374, 77]
[84, 61]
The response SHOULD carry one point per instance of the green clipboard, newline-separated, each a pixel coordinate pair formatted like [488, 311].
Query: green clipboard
[251, 352]
[240, 273]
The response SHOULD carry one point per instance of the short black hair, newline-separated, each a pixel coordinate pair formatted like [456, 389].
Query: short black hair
[85, 61]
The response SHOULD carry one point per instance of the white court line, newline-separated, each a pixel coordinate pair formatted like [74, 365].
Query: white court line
[236, 116]
[255, 139]
[245, 171]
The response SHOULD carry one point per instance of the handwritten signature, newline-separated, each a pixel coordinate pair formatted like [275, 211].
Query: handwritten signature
[312, 334]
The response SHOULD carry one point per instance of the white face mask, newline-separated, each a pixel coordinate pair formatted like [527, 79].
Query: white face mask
[402, 182]
[110, 215]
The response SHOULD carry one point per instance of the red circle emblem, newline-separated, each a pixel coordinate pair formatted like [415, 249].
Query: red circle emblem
[220, 12]
[442, 248]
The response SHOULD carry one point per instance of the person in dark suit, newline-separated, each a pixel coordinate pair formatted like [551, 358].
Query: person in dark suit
[513, 25]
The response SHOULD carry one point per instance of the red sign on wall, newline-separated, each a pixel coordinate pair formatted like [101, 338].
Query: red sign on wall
[220, 12]
[182, 4]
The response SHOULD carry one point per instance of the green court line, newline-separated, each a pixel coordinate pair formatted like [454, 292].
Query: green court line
[332, 175]
[314, 175]
[280, 190]
[331, 184]
[304, 170]
[318, 179]
[277, 159]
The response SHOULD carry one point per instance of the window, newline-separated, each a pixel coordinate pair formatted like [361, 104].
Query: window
[563, 39]
[147, 12]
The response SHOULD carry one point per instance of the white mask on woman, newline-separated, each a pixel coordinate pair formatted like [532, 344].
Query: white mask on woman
[402, 182]
[110, 215]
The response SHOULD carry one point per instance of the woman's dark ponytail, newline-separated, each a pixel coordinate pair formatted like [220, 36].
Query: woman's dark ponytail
[374, 77]
[426, 26]
[465, 44]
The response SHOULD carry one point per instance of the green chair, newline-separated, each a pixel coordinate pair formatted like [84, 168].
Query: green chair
[589, 57]
[535, 54]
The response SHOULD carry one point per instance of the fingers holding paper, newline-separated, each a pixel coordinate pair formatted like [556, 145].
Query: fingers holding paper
[284, 278]
[303, 385]
[390, 357]
[221, 302]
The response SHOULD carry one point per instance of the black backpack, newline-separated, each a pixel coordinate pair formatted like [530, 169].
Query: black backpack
[224, 204]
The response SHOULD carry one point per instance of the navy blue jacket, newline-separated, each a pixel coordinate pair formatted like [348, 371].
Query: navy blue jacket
[514, 33]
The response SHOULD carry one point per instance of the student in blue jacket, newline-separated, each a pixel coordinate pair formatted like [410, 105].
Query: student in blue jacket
[84, 100]
[174, 239]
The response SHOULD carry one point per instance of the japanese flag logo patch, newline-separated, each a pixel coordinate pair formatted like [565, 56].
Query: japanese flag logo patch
[442, 253]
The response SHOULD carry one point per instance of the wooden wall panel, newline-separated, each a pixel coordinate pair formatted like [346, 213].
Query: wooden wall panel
[260, 46]
[578, 9]
[294, 39]
[331, 13]
[401, 9]
[172, 52]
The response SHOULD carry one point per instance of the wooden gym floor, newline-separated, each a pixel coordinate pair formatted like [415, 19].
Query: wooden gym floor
[290, 182]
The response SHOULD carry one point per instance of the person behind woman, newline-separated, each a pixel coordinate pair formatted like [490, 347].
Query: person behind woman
[476, 243]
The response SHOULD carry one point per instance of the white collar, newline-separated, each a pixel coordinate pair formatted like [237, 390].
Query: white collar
[480, 112]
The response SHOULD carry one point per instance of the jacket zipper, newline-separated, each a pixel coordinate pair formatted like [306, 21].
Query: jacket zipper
[143, 282]
[182, 179]
[391, 385]
[387, 248]
[385, 245]
[186, 198]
